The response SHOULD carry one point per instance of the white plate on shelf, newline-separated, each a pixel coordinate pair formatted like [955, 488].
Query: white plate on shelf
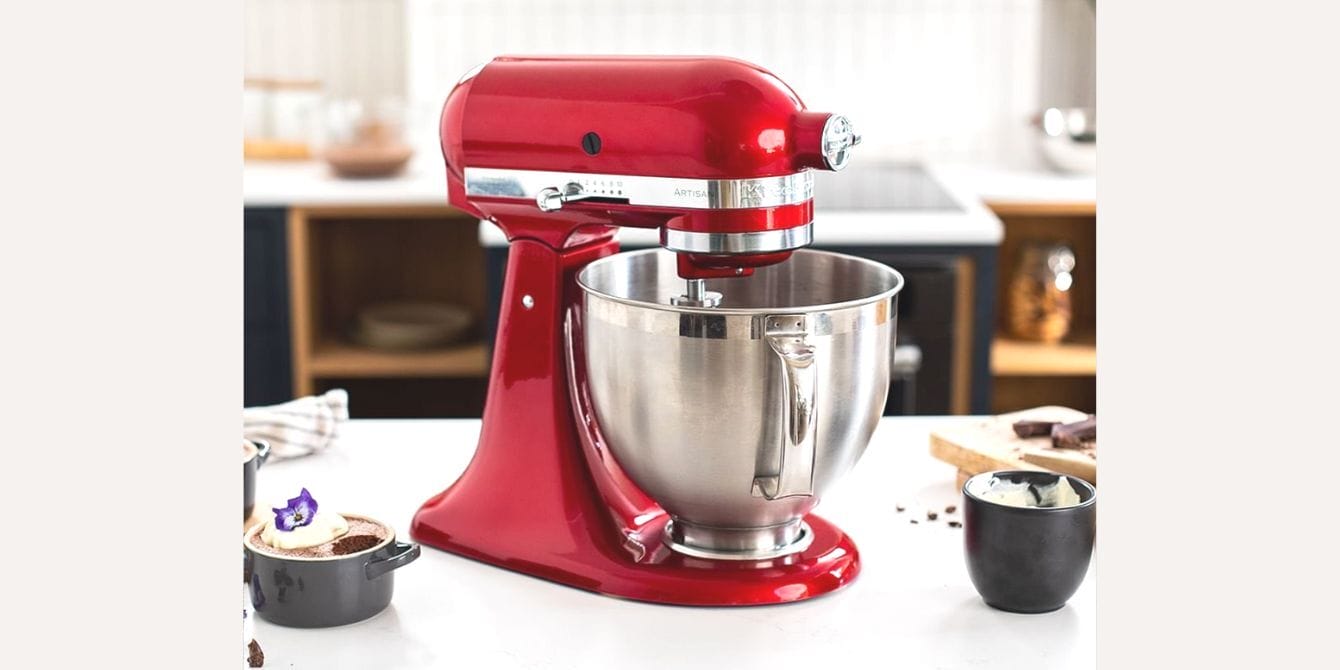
[407, 326]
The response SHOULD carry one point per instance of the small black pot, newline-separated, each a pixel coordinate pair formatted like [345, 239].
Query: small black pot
[249, 468]
[321, 592]
[1028, 559]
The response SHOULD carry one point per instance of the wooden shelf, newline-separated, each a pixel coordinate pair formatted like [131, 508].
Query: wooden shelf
[338, 359]
[1019, 358]
[1078, 209]
[344, 259]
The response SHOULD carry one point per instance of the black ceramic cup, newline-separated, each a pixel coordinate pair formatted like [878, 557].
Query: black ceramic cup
[249, 468]
[320, 592]
[1027, 559]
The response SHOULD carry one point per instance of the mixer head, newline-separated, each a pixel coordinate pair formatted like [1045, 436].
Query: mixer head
[717, 153]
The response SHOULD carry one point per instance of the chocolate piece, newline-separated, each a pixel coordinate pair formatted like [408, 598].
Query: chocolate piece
[955, 524]
[931, 516]
[1075, 435]
[352, 544]
[951, 509]
[1030, 428]
[255, 657]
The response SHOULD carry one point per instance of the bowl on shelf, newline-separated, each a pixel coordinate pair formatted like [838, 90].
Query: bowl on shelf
[365, 142]
[362, 161]
[409, 326]
[1068, 138]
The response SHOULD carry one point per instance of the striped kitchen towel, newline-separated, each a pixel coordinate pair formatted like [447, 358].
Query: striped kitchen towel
[298, 427]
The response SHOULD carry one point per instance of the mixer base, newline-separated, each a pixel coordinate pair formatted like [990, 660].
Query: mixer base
[645, 569]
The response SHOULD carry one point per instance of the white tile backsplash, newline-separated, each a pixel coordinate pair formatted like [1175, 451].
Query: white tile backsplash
[355, 48]
[923, 79]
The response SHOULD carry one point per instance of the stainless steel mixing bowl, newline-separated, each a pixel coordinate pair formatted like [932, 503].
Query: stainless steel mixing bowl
[737, 418]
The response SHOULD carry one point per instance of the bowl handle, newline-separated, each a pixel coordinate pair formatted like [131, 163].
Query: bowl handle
[795, 463]
[262, 452]
[402, 554]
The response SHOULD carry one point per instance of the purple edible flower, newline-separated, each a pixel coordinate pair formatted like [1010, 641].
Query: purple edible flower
[299, 512]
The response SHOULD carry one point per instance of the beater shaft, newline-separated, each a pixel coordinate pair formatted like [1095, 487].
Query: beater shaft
[696, 295]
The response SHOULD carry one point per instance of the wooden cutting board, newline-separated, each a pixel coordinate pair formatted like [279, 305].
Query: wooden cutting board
[992, 445]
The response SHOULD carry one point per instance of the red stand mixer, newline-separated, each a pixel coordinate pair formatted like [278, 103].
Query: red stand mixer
[717, 154]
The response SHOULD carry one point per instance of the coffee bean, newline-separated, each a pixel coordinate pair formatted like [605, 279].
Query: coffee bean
[955, 524]
[951, 509]
[932, 516]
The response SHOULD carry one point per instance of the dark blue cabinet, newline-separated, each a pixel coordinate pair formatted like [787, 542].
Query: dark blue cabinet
[266, 358]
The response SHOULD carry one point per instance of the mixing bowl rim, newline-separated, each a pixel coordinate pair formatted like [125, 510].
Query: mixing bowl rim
[743, 311]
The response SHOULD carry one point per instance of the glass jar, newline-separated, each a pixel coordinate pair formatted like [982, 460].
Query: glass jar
[1039, 296]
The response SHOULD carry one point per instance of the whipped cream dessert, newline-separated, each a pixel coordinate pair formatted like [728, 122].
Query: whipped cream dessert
[1024, 494]
[324, 527]
[362, 534]
[302, 529]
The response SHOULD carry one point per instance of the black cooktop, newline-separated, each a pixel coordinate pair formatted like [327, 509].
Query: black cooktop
[881, 186]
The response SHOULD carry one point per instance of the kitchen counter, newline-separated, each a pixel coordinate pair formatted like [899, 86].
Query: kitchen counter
[423, 183]
[912, 606]
[1032, 185]
[311, 184]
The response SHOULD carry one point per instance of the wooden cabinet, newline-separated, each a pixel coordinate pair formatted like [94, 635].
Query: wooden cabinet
[342, 259]
[309, 270]
[1027, 374]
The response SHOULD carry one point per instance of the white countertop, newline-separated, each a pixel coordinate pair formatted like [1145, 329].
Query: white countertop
[423, 183]
[912, 606]
[1034, 185]
[311, 183]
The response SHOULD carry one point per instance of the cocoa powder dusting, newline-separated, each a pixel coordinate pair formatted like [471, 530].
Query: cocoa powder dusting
[352, 544]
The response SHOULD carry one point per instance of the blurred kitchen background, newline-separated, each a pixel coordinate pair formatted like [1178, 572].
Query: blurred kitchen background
[975, 179]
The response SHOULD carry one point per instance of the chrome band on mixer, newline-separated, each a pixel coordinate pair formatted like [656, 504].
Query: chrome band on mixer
[791, 189]
[762, 241]
[739, 544]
